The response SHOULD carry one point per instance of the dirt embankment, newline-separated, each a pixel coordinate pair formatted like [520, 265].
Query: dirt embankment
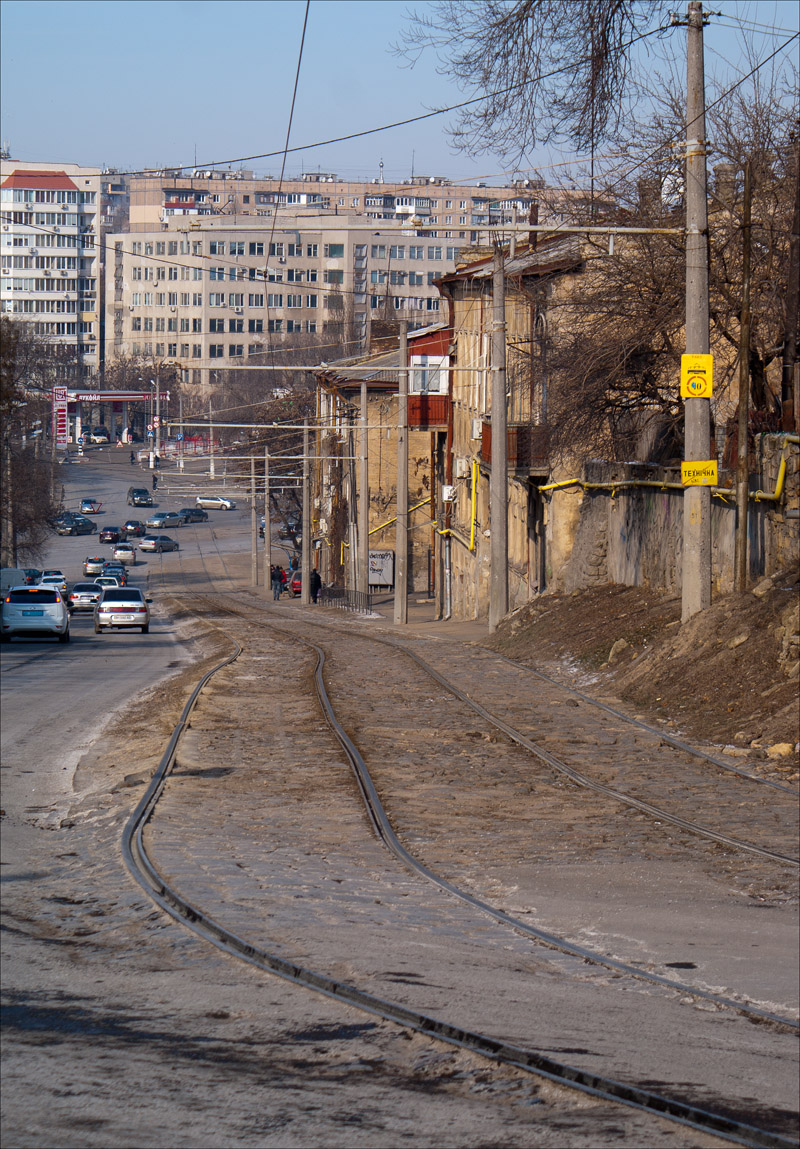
[727, 676]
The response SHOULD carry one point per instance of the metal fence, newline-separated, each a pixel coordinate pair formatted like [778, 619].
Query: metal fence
[355, 601]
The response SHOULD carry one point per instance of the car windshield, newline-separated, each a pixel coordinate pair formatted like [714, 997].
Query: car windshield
[122, 596]
[32, 595]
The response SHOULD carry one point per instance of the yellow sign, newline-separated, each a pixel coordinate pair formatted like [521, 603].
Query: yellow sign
[697, 376]
[699, 473]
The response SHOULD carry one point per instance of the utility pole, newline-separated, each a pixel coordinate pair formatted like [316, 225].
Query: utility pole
[742, 461]
[267, 525]
[401, 531]
[498, 480]
[253, 525]
[182, 434]
[157, 419]
[305, 561]
[696, 588]
[362, 582]
[211, 471]
[790, 383]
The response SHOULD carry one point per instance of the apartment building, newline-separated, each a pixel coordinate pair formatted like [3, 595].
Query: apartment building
[50, 254]
[209, 293]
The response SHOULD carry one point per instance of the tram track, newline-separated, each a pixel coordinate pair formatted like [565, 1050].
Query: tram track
[201, 922]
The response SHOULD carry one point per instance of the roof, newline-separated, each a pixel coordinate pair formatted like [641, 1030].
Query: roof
[553, 253]
[52, 181]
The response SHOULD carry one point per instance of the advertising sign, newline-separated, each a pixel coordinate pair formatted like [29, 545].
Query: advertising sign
[60, 418]
[381, 568]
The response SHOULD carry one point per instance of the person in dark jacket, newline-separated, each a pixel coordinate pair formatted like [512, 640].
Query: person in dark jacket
[314, 584]
[277, 582]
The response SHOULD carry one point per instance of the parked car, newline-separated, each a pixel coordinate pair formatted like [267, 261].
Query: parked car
[120, 607]
[295, 583]
[125, 553]
[93, 565]
[193, 515]
[162, 519]
[54, 579]
[84, 595]
[34, 610]
[99, 435]
[71, 524]
[139, 497]
[109, 535]
[215, 503]
[158, 543]
[90, 506]
[134, 528]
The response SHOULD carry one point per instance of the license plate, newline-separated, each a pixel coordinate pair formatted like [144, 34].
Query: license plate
[125, 617]
[37, 613]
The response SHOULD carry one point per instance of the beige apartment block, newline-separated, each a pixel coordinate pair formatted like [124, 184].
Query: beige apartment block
[210, 294]
[50, 254]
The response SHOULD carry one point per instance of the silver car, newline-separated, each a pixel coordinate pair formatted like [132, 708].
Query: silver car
[162, 519]
[125, 553]
[84, 596]
[157, 543]
[34, 610]
[122, 607]
[215, 503]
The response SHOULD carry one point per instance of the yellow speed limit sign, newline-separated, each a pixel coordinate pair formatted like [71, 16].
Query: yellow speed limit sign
[697, 376]
[699, 473]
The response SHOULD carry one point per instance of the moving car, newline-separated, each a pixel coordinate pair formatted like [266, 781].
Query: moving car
[158, 543]
[215, 503]
[135, 528]
[90, 506]
[71, 524]
[93, 565]
[13, 576]
[193, 515]
[117, 571]
[32, 575]
[139, 497]
[85, 595]
[125, 553]
[54, 579]
[162, 519]
[99, 435]
[109, 535]
[107, 580]
[34, 610]
[120, 607]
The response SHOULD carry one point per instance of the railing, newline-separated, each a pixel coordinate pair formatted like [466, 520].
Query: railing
[527, 445]
[355, 601]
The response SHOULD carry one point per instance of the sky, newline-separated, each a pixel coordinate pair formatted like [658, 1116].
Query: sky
[168, 83]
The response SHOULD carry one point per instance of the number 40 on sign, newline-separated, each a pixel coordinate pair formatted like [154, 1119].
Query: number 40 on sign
[697, 376]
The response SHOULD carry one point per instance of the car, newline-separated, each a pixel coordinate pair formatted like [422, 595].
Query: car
[139, 497]
[162, 519]
[120, 607]
[84, 595]
[32, 575]
[71, 524]
[93, 565]
[295, 583]
[215, 503]
[193, 515]
[54, 578]
[107, 580]
[134, 528]
[158, 543]
[34, 610]
[125, 553]
[109, 535]
[90, 506]
[116, 570]
[99, 435]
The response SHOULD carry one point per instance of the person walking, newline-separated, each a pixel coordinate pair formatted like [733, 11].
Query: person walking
[155, 482]
[133, 458]
[314, 584]
[277, 582]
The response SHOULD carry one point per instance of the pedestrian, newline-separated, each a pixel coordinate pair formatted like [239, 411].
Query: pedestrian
[314, 584]
[156, 461]
[277, 582]
[155, 482]
[133, 458]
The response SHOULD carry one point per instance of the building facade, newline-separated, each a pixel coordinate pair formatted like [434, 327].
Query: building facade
[50, 254]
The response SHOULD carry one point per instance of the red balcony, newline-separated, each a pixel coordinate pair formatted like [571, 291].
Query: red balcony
[428, 412]
[527, 446]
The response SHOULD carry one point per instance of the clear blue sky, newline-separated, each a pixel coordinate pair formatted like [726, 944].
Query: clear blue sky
[150, 84]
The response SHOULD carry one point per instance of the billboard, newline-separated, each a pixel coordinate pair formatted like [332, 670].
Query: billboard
[381, 568]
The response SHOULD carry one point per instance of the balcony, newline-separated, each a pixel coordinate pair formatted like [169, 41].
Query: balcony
[528, 446]
[428, 412]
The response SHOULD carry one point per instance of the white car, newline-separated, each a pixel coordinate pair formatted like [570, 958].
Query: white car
[34, 610]
[215, 503]
[54, 579]
[125, 553]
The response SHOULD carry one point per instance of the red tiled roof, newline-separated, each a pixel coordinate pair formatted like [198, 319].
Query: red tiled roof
[52, 181]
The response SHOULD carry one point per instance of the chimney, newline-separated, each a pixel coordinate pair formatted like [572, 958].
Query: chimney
[725, 184]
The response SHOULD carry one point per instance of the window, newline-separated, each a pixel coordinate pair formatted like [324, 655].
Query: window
[216, 325]
[275, 325]
[274, 276]
[216, 350]
[160, 350]
[432, 304]
[333, 277]
[294, 301]
[216, 299]
[293, 325]
[172, 325]
[235, 326]
[274, 301]
[197, 273]
[311, 327]
[415, 279]
[148, 324]
[172, 298]
[397, 277]
[173, 273]
[378, 251]
[197, 351]
[184, 299]
[236, 247]
[160, 324]
[216, 273]
[172, 247]
[311, 275]
[236, 299]
[184, 350]
[136, 323]
[197, 299]
[255, 300]
[136, 273]
[197, 325]
[333, 250]
[235, 349]
[197, 248]
[276, 249]
[397, 251]
[147, 299]
[160, 299]
[312, 250]
[452, 253]
[294, 249]
[415, 252]
[255, 326]
[216, 247]
[434, 253]
[428, 373]
[184, 325]
[256, 249]
[172, 350]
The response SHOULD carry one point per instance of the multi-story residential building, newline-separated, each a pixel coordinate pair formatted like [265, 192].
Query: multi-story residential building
[49, 247]
[210, 293]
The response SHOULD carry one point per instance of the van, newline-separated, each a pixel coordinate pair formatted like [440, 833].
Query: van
[139, 497]
[12, 576]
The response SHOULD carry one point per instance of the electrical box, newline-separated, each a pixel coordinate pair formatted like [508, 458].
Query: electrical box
[448, 493]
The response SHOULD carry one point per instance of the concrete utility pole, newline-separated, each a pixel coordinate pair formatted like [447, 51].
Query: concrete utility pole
[305, 561]
[696, 589]
[498, 481]
[182, 444]
[253, 525]
[157, 419]
[401, 531]
[742, 461]
[267, 525]
[362, 583]
[210, 443]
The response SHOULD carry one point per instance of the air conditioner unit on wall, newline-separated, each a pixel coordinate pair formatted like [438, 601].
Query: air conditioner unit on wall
[462, 468]
[477, 429]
